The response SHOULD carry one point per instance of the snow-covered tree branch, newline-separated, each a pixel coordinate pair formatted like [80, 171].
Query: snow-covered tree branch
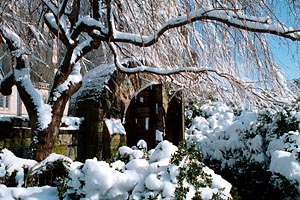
[211, 46]
[226, 16]
[20, 76]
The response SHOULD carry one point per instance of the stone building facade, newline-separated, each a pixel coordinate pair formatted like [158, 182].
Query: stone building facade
[12, 105]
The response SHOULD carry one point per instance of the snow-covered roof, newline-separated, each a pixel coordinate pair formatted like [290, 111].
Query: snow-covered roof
[94, 81]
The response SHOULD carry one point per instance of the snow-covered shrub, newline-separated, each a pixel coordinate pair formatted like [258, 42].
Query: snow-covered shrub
[225, 137]
[150, 176]
[243, 145]
[195, 180]
[13, 169]
[143, 177]
[53, 171]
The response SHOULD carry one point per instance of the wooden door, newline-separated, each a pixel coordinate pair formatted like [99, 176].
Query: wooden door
[175, 120]
[145, 116]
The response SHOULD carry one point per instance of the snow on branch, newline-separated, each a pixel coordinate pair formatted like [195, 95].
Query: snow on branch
[49, 4]
[73, 79]
[81, 49]
[57, 10]
[51, 21]
[110, 19]
[20, 76]
[227, 16]
[159, 71]
[89, 25]
[223, 15]
[43, 111]
[10, 38]
[60, 29]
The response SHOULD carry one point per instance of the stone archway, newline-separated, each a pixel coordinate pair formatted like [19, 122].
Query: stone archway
[145, 116]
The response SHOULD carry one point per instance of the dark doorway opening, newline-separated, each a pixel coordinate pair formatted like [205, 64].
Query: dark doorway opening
[146, 119]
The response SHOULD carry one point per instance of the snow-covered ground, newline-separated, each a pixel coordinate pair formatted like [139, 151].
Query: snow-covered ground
[218, 131]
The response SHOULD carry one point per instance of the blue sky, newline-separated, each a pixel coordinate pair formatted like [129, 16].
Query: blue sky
[286, 57]
[285, 51]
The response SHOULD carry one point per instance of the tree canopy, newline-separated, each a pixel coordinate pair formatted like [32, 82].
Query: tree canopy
[209, 48]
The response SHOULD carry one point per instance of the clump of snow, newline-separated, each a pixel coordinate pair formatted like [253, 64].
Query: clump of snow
[50, 159]
[164, 150]
[71, 123]
[286, 164]
[29, 193]
[158, 135]
[142, 144]
[114, 126]
[125, 151]
[44, 115]
[284, 152]
[10, 163]
[220, 132]
[113, 184]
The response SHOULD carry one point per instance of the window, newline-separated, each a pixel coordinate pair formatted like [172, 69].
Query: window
[4, 102]
[1, 101]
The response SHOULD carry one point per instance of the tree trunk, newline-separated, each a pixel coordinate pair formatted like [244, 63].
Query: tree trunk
[44, 141]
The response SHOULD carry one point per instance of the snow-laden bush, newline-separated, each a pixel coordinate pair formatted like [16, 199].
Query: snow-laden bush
[260, 146]
[143, 176]
[194, 177]
[161, 173]
[12, 168]
[39, 178]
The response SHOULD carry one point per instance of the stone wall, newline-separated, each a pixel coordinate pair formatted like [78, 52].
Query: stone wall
[95, 140]
[16, 136]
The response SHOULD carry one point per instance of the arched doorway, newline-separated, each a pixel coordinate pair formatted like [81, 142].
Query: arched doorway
[145, 116]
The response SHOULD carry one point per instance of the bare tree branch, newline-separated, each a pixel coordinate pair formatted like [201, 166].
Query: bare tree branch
[74, 15]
